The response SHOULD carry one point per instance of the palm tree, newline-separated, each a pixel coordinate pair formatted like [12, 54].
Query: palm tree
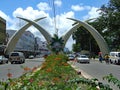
[56, 44]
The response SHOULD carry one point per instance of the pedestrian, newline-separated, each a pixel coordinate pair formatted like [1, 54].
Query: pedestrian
[107, 59]
[75, 59]
[100, 58]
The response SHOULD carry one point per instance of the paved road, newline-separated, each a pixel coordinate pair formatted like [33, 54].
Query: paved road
[98, 70]
[16, 69]
[94, 69]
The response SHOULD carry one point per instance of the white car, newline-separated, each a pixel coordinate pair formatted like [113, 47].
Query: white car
[71, 56]
[31, 57]
[3, 60]
[114, 57]
[83, 59]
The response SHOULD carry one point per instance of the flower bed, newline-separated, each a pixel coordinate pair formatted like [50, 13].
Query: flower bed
[54, 74]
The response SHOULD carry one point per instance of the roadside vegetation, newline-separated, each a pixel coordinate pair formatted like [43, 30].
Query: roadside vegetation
[54, 74]
[107, 24]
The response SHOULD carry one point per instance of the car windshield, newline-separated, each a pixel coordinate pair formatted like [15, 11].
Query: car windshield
[83, 56]
[0, 57]
[14, 54]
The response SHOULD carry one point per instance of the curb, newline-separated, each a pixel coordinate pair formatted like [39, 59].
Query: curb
[83, 73]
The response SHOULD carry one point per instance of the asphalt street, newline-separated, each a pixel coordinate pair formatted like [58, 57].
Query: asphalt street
[98, 70]
[16, 69]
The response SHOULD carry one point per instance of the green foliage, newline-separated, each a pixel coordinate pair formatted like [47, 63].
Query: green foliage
[84, 41]
[55, 74]
[92, 83]
[76, 47]
[114, 80]
[110, 15]
[56, 44]
[108, 25]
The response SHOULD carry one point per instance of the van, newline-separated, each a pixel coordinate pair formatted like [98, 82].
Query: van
[115, 57]
[16, 57]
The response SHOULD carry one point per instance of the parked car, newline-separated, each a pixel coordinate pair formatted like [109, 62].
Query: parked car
[31, 57]
[71, 57]
[114, 57]
[16, 57]
[3, 59]
[83, 59]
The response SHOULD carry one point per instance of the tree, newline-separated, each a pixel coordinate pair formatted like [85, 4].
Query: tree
[110, 17]
[108, 25]
[84, 40]
[56, 44]
[76, 47]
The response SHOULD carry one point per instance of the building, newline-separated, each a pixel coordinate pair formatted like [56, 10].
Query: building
[2, 31]
[25, 43]
[42, 46]
[2, 35]
[29, 44]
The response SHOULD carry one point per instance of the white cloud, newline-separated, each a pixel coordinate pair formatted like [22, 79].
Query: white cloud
[29, 13]
[79, 7]
[93, 13]
[58, 3]
[70, 43]
[62, 23]
[43, 6]
[7, 18]
[3, 15]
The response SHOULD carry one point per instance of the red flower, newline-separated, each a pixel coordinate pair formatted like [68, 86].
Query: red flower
[57, 58]
[9, 75]
[26, 69]
[31, 80]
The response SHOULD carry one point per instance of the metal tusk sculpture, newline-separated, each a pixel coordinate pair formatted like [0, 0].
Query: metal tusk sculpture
[56, 43]
[14, 39]
[42, 30]
[67, 35]
[99, 39]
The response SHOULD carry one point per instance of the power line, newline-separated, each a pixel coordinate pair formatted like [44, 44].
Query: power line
[54, 12]
[52, 4]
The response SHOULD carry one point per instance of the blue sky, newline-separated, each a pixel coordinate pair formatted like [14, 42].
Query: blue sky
[32, 9]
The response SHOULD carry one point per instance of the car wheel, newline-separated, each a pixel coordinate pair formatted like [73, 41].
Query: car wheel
[23, 60]
[12, 62]
[2, 62]
[115, 62]
[20, 62]
[6, 61]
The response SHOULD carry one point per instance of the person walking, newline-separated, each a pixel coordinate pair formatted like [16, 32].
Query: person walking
[100, 58]
[107, 59]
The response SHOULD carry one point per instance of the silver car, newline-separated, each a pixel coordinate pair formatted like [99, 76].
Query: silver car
[17, 57]
[83, 59]
[3, 59]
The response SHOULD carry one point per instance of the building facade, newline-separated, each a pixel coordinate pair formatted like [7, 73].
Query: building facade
[25, 43]
[2, 31]
[29, 44]
[42, 46]
[2, 35]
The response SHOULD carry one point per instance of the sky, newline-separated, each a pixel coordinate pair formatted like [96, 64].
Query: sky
[60, 10]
